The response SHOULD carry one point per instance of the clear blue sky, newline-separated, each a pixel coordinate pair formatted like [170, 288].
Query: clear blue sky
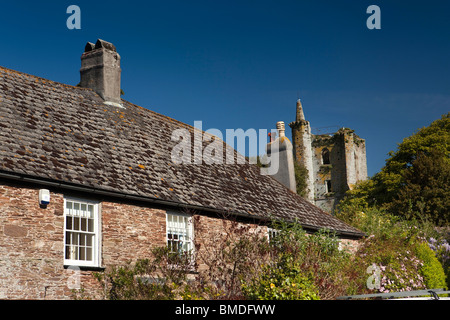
[243, 64]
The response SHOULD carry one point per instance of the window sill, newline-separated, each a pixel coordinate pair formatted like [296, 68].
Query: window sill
[84, 268]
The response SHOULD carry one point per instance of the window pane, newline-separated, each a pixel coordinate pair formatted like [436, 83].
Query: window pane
[82, 239]
[69, 223]
[91, 225]
[89, 241]
[83, 224]
[82, 253]
[89, 254]
[73, 252]
[91, 211]
[74, 239]
[76, 223]
[76, 208]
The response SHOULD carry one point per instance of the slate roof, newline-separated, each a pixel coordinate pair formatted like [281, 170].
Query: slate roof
[59, 132]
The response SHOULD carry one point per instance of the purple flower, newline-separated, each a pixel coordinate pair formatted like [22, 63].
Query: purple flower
[446, 246]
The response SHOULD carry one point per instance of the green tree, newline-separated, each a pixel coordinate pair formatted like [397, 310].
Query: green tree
[414, 181]
[391, 178]
[425, 192]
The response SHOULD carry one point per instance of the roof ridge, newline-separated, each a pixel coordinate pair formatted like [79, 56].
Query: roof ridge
[2, 68]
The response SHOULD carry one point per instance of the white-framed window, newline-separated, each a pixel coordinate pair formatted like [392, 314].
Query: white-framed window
[179, 231]
[272, 233]
[81, 233]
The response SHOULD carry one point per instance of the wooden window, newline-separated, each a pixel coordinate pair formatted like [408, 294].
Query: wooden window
[179, 232]
[81, 233]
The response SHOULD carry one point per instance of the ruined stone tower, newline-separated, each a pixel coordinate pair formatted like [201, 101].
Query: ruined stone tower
[335, 162]
[301, 138]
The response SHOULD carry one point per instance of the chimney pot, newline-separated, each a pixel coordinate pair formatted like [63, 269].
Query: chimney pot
[89, 47]
[281, 128]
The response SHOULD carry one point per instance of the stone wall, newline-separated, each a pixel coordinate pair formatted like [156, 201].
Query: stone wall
[32, 247]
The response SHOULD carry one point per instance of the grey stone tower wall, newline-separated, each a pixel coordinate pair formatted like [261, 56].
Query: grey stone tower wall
[347, 164]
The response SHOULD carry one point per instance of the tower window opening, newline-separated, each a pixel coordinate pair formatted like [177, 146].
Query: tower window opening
[326, 156]
[328, 185]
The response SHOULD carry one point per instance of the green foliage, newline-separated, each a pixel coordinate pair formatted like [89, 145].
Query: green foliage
[163, 278]
[425, 192]
[414, 182]
[315, 256]
[301, 175]
[441, 247]
[397, 248]
[281, 282]
[434, 139]
[369, 219]
[431, 270]
[394, 256]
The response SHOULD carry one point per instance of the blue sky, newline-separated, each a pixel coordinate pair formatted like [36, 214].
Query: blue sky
[243, 64]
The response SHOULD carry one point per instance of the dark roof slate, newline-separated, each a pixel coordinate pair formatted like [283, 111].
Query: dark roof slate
[60, 132]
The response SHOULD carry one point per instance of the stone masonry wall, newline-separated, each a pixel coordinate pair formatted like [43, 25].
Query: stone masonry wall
[32, 249]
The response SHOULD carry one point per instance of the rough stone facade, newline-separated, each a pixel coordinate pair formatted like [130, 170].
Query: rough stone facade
[335, 162]
[32, 245]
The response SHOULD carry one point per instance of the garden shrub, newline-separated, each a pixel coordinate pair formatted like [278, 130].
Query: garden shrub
[431, 269]
[162, 278]
[318, 257]
[395, 259]
[441, 248]
[278, 282]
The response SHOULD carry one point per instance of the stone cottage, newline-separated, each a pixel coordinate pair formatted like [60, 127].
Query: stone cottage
[87, 181]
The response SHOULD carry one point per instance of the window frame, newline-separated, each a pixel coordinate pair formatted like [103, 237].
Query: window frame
[189, 228]
[96, 243]
[272, 234]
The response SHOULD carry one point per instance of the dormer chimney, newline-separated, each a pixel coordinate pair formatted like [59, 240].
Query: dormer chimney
[100, 70]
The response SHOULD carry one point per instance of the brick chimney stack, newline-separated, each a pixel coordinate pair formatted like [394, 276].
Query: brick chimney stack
[100, 70]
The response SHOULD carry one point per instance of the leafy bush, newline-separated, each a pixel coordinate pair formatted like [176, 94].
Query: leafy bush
[313, 256]
[163, 278]
[431, 270]
[281, 283]
[395, 259]
[441, 249]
